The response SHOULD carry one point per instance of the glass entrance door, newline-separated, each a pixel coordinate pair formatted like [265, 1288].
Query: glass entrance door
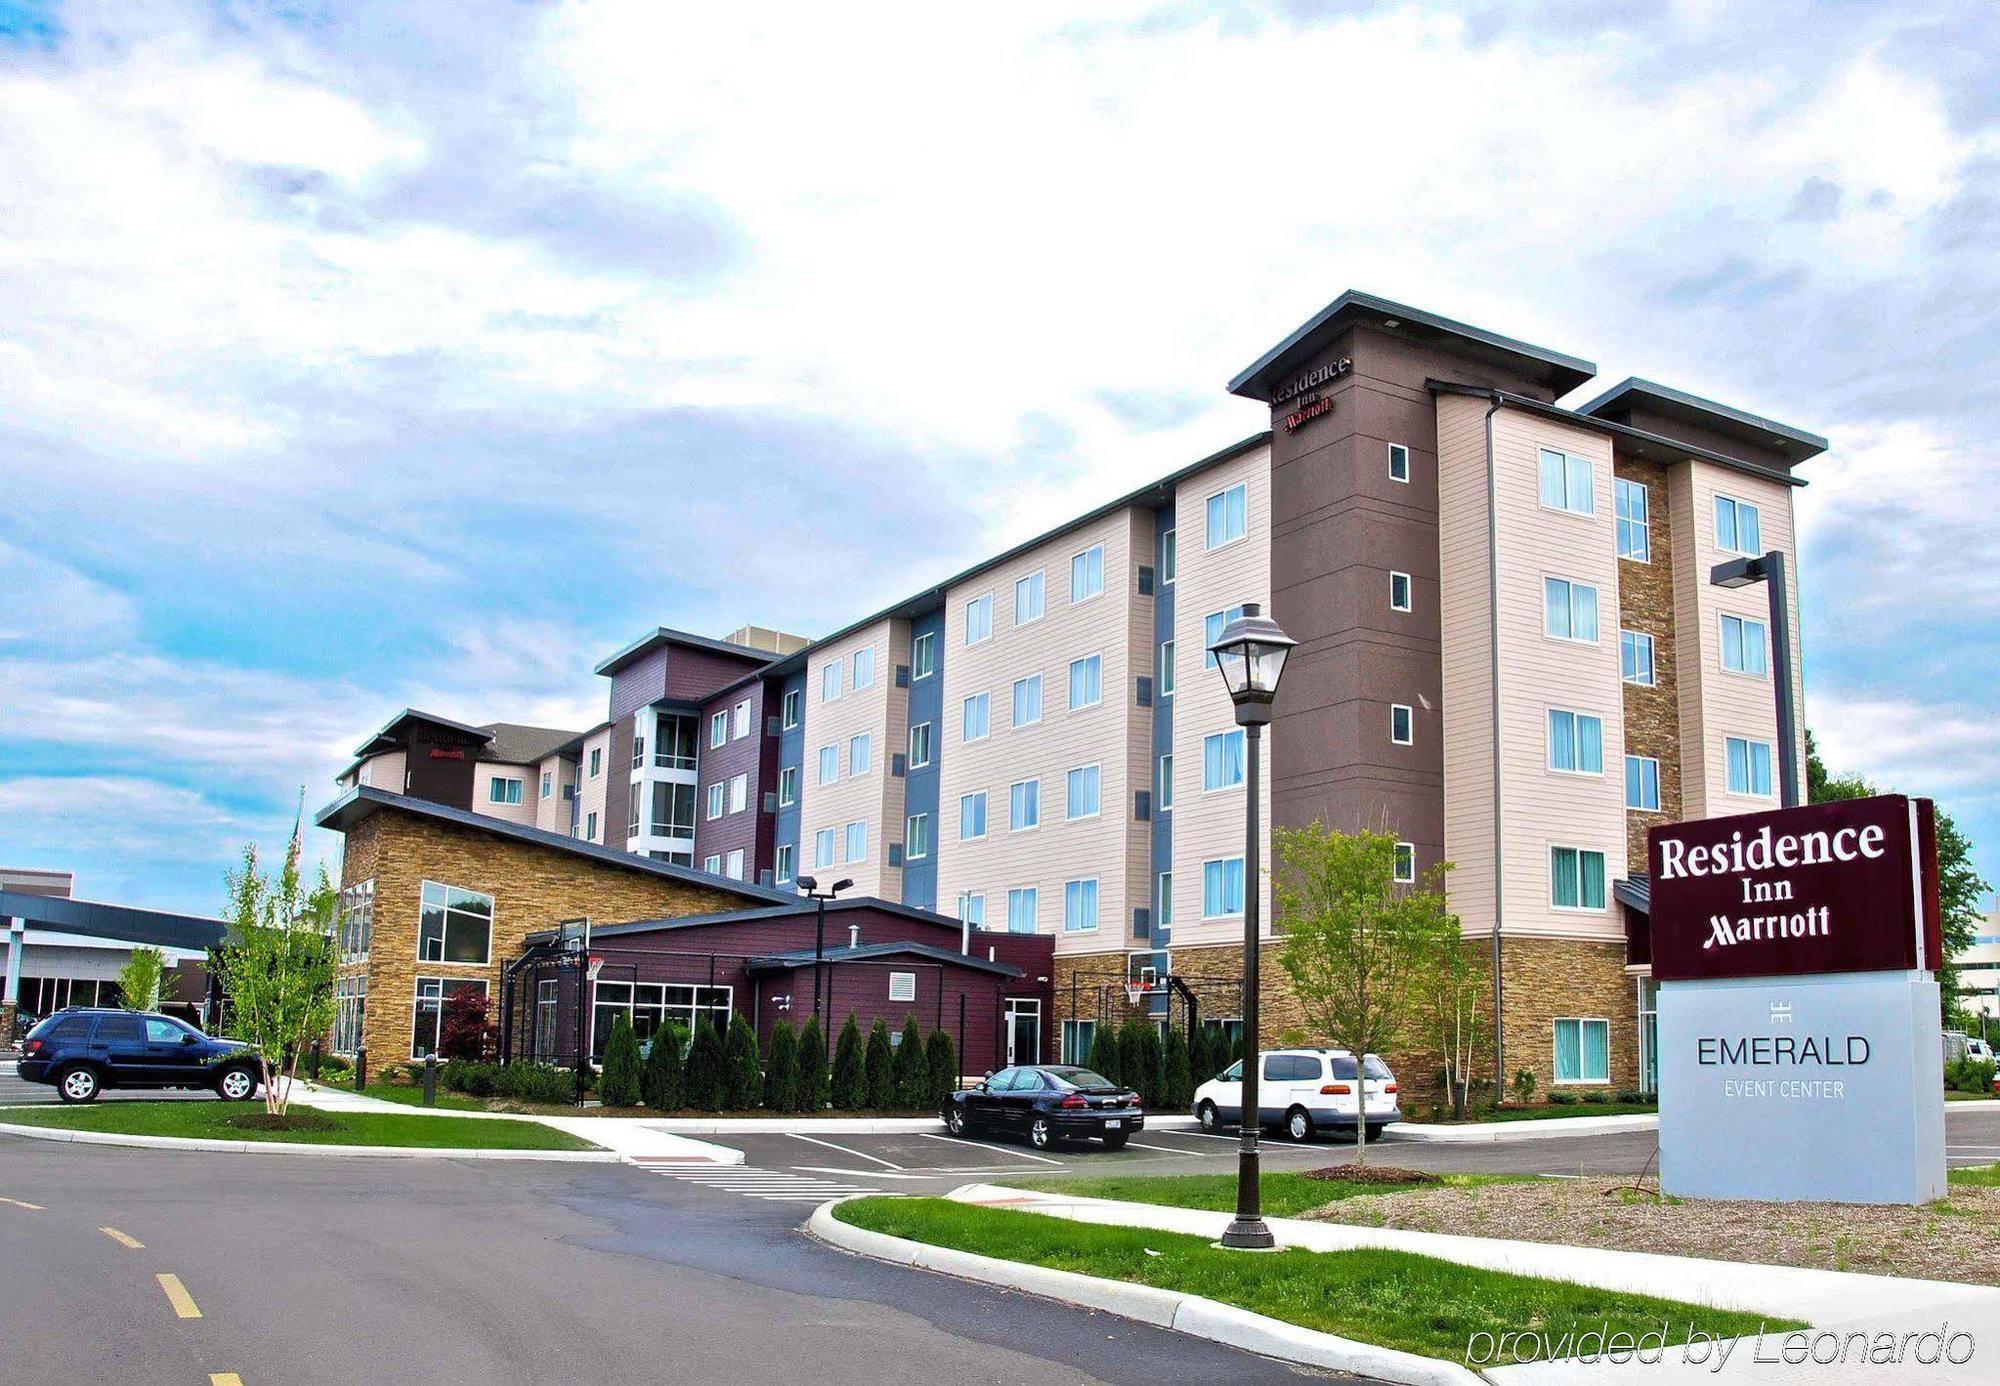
[1024, 1031]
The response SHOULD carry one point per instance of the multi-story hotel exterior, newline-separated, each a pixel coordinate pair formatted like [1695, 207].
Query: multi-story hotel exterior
[1510, 654]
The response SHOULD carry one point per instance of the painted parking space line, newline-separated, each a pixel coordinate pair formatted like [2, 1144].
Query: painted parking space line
[224, 1379]
[1163, 1149]
[982, 1145]
[17, 1203]
[767, 1185]
[846, 1150]
[177, 1295]
[122, 1239]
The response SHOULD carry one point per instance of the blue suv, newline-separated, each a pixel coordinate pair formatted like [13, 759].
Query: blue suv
[82, 1052]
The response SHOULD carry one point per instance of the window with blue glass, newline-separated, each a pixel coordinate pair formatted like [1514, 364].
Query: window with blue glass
[1222, 759]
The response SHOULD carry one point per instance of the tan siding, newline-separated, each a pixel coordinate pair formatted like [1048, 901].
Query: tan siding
[590, 789]
[853, 798]
[552, 813]
[483, 776]
[387, 771]
[1465, 601]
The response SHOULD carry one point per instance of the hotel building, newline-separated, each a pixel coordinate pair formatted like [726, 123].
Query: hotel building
[1510, 654]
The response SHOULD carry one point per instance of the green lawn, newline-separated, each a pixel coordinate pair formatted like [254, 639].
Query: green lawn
[1547, 1111]
[209, 1120]
[1416, 1303]
[1985, 1176]
[1954, 1095]
[414, 1097]
[1284, 1195]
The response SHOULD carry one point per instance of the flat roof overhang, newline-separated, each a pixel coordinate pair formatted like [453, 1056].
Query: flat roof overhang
[1794, 445]
[662, 636]
[393, 731]
[191, 933]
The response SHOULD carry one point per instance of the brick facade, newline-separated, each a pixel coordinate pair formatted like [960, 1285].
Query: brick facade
[1548, 978]
[1646, 603]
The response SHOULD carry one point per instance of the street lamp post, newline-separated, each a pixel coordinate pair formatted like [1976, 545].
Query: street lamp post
[810, 885]
[1769, 569]
[1251, 653]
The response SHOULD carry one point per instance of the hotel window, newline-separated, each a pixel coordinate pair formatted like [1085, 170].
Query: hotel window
[916, 837]
[1738, 528]
[1166, 679]
[1169, 554]
[1635, 529]
[1083, 797]
[829, 764]
[1399, 591]
[1576, 879]
[784, 871]
[356, 924]
[1642, 784]
[548, 782]
[673, 810]
[1212, 626]
[1402, 725]
[971, 816]
[712, 865]
[1028, 700]
[1569, 610]
[1743, 646]
[1749, 766]
[1566, 483]
[715, 799]
[1222, 760]
[1406, 863]
[788, 786]
[1028, 593]
[718, 730]
[1576, 742]
[861, 753]
[632, 807]
[503, 790]
[864, 667]
[1635, 657]
[1086, 682]
[972, 909]
[823, 845]
[590, 827]
[638, 751]
[1226, 516]
[1086, 575]
[732, 866]
[673, 742]
[977, 718]
[1399, 463]
[1021, 910]
[596, 761]
[923, 656]
[791, 706]
[432, 994]
[649, 1007]
[739, 793]
[920, 745]
[1024, 805]
[979, 619]
[1079, 906]
[739, 720]
[1163, 900]
[1165, 794]
[829, 682]
[1078, 1038]
[350, 1013]
[857, 841]
[454, 925]
[1583, 1051]
[1222, 888]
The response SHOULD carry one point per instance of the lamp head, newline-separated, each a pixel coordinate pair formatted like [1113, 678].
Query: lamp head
[841, 885]
[807, 883]
[1250, 653]
[1739, 572]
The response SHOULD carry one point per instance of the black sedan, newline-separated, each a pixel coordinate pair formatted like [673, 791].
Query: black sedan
[1047, 1104]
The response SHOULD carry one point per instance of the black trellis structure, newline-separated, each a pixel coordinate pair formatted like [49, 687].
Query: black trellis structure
[1101, 996]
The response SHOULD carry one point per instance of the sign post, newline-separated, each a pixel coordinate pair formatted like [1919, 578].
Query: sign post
[1800, 1048]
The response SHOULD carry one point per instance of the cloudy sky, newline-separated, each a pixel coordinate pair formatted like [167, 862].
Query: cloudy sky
[355, 357]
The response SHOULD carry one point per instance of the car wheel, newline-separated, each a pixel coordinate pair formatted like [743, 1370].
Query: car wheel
[1205, 1114]
[1116, 1142]
[1040, 1135]
[954, 1120]
[1374, 1131]
[235, 1084]
[77, 1084]
[1298, 1125]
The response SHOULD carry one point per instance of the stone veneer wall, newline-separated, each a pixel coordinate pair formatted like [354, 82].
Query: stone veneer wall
[1652, 715]
[1547, 979]
[533, 888]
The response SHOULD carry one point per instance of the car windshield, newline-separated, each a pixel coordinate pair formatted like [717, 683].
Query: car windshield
[1083, 1078]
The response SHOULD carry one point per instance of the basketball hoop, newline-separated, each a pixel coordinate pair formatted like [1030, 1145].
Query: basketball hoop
[596, 965]
[1137, 992]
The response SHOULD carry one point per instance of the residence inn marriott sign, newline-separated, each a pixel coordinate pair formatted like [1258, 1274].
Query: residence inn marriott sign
[1800, 1046]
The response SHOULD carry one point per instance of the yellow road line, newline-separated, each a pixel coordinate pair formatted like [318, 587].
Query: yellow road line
[17, 1203]
[224, 1379]
[122, 1239]
[178, 1296]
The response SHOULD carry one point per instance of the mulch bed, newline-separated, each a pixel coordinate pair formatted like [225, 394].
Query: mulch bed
[1372, 1174]
[290, 1121]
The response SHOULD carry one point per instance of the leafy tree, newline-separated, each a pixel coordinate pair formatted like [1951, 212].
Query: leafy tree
[702, 1081]
[912, 1073]
[1448, 995]
[850, 1083]
[662, 1083]
[618, 1085]
[742, 1070]
[781, 1073]
[139, 979]
[278, 966]
[1201, 1054]
[463, 1029]
[1178, 1089]
[810, 1094]
[879, 1067]
[1356, 945]
[1139, 1048]
[1105, 1057]
[941, 1059]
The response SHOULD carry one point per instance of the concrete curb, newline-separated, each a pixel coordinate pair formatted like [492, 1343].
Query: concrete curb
[835, 1126]
[1540, 1129]
[1183, 1313]
[50, 1133]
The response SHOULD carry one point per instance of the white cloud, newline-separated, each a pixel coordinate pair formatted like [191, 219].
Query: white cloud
[1916, 747]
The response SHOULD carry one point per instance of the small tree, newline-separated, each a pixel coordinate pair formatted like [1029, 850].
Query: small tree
[742, 1072]
[941, 1059]
[701, 1082]
[662, 1083]
[139, 979]
[1104, 1054]
[1200, 1068]
[810, 1094]
[1139, 1048]
[1356, 945]
[781, 1073]
[278, 966]
[879, 1066]
[1179, 1088]
[618, 1084]
[850, 1084]
[463, 1029]
[1449, 990]
[912, 1073]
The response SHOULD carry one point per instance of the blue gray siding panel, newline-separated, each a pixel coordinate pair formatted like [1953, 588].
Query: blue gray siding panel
[920, 788]
[1160, 935]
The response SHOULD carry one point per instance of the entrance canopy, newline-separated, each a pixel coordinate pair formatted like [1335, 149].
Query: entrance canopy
[190, 933]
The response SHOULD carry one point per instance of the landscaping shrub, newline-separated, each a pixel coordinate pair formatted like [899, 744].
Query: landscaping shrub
[1179, 1087]
[941, 1059]
[1105, 1057]
[810, 1094]
[742, 1071]
[912, 1073]
[1596, 1098]
[879, 1067]
[1632, 1095]
[333, 1065]
[662, 1084]
[618, 1085]
[1562, 1099]
[1201, 1056]
[536, 1083]
[470, 1077]
[850, 1084]
[1969, 1075]
[1524, 1086]
[464, 1031]
[781, 1070]
[1139, 1048]
[701, 1076]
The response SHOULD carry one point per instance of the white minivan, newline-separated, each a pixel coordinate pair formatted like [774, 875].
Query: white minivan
[1303, 1090]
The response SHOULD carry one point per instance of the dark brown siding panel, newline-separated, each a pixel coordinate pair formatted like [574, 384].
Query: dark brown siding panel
[692, 676]
[749, 830]
[639, 684]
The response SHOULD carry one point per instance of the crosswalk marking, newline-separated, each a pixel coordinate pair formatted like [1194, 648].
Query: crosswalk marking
[767, 1185]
